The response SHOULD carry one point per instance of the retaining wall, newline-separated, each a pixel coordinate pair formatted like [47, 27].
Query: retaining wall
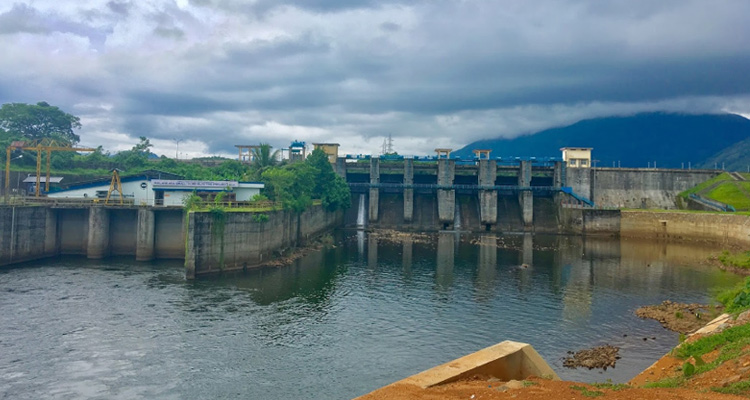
[633, 187]
[240, 240]
[724, 229]
[27, 233]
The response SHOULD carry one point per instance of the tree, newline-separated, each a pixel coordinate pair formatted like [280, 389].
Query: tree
[263, 156]
[143, 146]
[263, 159]
[39, 121]
[329, 187]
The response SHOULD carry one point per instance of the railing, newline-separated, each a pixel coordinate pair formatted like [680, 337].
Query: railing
[514, 188]
[569, 191]
[712, 203]
[64, 201]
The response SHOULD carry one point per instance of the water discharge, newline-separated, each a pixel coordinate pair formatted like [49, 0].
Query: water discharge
[337, 323]
[361, 212]
[457, 216]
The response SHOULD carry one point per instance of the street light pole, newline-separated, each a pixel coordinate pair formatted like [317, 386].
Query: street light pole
[177, 150]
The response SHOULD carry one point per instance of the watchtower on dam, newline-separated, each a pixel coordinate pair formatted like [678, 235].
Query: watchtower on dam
[442, 192]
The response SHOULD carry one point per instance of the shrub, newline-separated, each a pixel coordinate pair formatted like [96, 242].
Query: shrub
[737, 299]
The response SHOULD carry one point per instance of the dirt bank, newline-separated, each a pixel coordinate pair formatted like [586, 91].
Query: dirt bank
[536, 389]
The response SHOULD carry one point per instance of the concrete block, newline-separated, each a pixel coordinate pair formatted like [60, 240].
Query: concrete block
[488, 207]
[98, 233]
[505, 361]
[446, 205]
[446, 172]
[408, 205]
[144, 250]
[487, 172]
[374, 201]
[526, 200]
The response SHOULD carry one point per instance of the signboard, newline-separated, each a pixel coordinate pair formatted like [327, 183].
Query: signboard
[182, 184]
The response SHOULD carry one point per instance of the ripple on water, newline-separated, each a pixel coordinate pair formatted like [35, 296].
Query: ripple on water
[341, 323]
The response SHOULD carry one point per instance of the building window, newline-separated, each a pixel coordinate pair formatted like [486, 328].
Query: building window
[572, 162]
[584, 163]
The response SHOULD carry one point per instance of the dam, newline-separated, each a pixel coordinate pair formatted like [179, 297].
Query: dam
[498, 195]
[409, 194]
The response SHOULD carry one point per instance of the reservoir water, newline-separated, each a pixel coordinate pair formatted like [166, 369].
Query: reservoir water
[337, 323]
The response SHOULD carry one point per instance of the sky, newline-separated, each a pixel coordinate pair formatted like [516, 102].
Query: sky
[435, 73]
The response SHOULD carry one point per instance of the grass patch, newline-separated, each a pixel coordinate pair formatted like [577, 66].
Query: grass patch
[586, 392]
[736, 299]
[739, 260]
[673, 382]
[738, 388]
[731, 341]
[529, 383]
[730, 193]
[611, 386]
[708, 344]
[702, 186]
[682, 211]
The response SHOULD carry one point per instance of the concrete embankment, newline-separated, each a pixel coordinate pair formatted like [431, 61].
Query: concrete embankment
[719, 228]
[238, 240]
[35, 232]
[635, 187]
[27, 233]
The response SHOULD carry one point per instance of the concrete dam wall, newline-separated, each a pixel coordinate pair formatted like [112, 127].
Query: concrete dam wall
[32, 233]
[634, 188]
[466, 213]
[237, 240]
[723, 229]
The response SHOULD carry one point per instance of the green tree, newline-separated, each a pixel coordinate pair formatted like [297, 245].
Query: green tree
[39, 121]
[263, 159]
[329, 187]
[135, 158]
[338, 196]
[144, 146]
[231, 170]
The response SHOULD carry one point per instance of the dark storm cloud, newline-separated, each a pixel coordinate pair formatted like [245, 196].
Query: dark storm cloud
[153, 102]
[230, 71]
[22, 18]
[119, 7]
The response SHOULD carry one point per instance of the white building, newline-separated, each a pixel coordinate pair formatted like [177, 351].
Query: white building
[144, 190]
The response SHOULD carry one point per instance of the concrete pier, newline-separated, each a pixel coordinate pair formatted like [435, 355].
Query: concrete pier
[340, 167]
[526, 197]
[144, 247]
[527, 256]
[51, 245]
[487, 198]
[408, 192]
[374, 192]
[446, 197]
[557, 175]
[98, 243]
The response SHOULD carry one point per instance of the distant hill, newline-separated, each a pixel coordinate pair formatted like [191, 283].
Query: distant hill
[635, 141]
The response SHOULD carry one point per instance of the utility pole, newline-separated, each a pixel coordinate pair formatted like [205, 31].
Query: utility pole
[177, 149]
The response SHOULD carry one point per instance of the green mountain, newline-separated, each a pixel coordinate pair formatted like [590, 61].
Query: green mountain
[670, 140]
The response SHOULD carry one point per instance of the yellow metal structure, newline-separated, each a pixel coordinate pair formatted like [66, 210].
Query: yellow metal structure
[116, 184]
[44, 145]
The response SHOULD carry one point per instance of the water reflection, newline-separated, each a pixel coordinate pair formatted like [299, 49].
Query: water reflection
[446, 249]
[486, 267]
[396, 306]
